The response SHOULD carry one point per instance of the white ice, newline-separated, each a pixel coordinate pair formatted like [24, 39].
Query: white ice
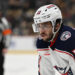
[21, 64]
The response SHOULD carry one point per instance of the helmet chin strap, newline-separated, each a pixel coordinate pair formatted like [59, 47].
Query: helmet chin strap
[54, 33]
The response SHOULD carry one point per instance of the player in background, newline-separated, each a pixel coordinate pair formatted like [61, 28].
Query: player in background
[5, 33]
[56, 42]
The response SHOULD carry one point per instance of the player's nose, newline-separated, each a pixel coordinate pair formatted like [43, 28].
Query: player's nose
[42, 30]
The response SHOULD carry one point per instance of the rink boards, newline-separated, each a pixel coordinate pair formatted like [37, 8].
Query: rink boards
[22, 52]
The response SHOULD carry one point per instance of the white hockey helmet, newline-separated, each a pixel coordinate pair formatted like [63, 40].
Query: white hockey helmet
[46, 13]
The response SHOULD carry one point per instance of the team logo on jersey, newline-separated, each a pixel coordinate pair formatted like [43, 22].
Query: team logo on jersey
[65, 35]
[64, 71]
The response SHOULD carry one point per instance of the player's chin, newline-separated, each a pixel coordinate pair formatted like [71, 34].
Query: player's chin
[45, 38]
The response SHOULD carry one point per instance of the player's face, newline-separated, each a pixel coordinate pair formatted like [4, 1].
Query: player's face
[45, 30]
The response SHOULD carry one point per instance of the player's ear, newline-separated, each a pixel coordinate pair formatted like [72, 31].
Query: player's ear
[57, 25]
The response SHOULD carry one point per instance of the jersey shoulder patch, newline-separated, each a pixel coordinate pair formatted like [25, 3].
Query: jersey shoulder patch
[65, 35]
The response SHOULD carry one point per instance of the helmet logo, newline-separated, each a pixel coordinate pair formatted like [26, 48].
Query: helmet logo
[38, 12]
[50, 6]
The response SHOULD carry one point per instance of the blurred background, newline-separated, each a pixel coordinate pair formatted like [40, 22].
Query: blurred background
[19, 14]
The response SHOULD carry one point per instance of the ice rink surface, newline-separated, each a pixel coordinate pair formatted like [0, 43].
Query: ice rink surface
[21, 64]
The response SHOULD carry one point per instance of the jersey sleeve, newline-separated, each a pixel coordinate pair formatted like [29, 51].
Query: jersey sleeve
[66, 40]
[72, 46]
[6, 32]
[68, 45]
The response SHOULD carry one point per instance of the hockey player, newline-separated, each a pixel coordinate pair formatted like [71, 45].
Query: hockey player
[56, 42]
[4, 41]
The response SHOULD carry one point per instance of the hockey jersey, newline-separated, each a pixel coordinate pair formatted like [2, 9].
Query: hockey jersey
[58, 54]
[5, 34]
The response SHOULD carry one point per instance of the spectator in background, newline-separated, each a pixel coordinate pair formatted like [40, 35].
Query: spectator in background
[16, 10]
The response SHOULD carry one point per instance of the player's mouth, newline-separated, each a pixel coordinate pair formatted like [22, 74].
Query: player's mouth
[43, 35]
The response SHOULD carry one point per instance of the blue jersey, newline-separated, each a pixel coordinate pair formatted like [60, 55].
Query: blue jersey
[65, 41]
[63, 47]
